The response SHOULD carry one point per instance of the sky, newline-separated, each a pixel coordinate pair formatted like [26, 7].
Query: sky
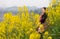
[37, 3]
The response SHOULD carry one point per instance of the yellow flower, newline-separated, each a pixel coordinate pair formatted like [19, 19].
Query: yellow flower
[8, 15]
[34, 35]
[53, 1]
[46, 33]
[49, 37]
[52, 22]
[41, 28]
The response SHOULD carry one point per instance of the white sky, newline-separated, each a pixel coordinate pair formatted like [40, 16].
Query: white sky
[37, 3]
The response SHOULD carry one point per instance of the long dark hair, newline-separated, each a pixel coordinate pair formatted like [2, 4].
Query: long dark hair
[44, 8]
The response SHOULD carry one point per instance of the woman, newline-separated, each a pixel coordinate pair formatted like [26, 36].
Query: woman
[43, 18]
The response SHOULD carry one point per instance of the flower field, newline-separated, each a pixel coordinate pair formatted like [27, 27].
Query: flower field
[23, 25]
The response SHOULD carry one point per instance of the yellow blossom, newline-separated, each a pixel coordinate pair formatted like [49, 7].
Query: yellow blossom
[49, 37]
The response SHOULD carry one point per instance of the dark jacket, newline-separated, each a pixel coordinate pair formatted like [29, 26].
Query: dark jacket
[43, 18]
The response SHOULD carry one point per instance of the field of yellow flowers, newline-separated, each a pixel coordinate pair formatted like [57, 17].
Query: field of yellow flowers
[23, 25]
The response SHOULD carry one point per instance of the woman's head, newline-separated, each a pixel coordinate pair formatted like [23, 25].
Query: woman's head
[43, 9]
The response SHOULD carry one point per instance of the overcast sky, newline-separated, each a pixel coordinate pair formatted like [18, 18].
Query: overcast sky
[37, 3]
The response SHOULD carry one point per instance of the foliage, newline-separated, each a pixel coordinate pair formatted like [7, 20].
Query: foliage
[53, 11]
